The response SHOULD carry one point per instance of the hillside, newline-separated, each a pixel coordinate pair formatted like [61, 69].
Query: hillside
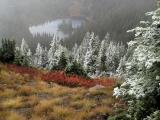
[27, 97]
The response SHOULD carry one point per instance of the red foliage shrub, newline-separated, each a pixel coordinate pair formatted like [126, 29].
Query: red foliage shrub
[32, 72]
[61, 78]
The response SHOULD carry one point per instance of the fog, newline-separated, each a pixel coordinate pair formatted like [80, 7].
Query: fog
[16, 16]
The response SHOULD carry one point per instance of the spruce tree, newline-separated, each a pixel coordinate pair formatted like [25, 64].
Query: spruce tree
[62, 62]
[38, 56]
[75, 68]
[26, 54]
[142, 71]
[7, 52]
[44, 58]
[92, 54]
[81, 52]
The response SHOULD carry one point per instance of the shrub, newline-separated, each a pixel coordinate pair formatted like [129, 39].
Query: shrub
[76, 68]
[61, 78]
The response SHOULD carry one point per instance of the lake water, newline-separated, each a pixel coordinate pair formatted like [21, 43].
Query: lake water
[52, 28]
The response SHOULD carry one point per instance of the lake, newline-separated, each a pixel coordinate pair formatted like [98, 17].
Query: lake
[51, 28]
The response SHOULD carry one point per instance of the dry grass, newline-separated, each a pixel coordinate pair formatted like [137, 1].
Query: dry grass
[15, 116]
[24, 99]
[6, 93]
[13, 103]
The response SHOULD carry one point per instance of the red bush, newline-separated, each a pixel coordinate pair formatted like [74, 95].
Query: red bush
[61, 78]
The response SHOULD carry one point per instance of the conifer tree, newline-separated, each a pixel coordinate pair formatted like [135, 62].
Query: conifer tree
[142, 71]
[45, 58]
[62, 62]
[81, 52]
[26, 54]
[51, 53]
[7, 52]
[38, 56]
[101, 60]
[92, 54]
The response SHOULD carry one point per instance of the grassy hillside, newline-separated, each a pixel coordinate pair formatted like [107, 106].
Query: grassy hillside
[25, 95]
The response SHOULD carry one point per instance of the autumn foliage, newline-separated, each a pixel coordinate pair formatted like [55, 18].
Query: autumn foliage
[61, 78]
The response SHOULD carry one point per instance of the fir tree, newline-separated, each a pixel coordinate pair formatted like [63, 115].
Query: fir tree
[26, 54]
[18, 57]
[38, 56]
[44, 58]
[76, 68]
[7, 52]
[62, 62]
[92, 54]
[81, 52]
[142, 70]
[52, 61]
[101, 60]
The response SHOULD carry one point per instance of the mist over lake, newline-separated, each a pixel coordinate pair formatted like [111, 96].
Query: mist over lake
[51, 28]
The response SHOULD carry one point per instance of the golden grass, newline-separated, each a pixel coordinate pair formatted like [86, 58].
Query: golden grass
[38, 100]
[15, 116]
[12, 103]
[43, 107]
[62, 113]
[26, 90]
[6, 93]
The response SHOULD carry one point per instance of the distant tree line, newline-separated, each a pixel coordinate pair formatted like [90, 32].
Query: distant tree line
[91, 58]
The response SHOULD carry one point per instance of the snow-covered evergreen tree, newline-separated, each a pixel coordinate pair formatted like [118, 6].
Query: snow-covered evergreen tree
[30, 58]
[54, 54]
[142, 69]
[97, 56]
[114, 53]
[44, 57]
[121, 68]
[74, 52]
[26, 54]
[18, 57]
[24, 47]
[38, 56]
[92, 54]
[62, 61]
[51, 53]
[110, 56]
[101, 60]
[81, 52]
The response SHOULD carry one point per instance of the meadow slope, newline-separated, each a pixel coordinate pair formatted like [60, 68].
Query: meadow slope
[26, 96]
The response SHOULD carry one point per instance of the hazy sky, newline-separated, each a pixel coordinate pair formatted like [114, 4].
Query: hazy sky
[17, 15]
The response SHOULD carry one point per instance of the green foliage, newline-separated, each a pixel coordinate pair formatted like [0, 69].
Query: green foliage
[154, 116]
[18, 58]
[121, 116]
[142, 71]
[103, 66]
[143, 107]
[62, 62]
[76, 68]
[7, 51]
[21, 60]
